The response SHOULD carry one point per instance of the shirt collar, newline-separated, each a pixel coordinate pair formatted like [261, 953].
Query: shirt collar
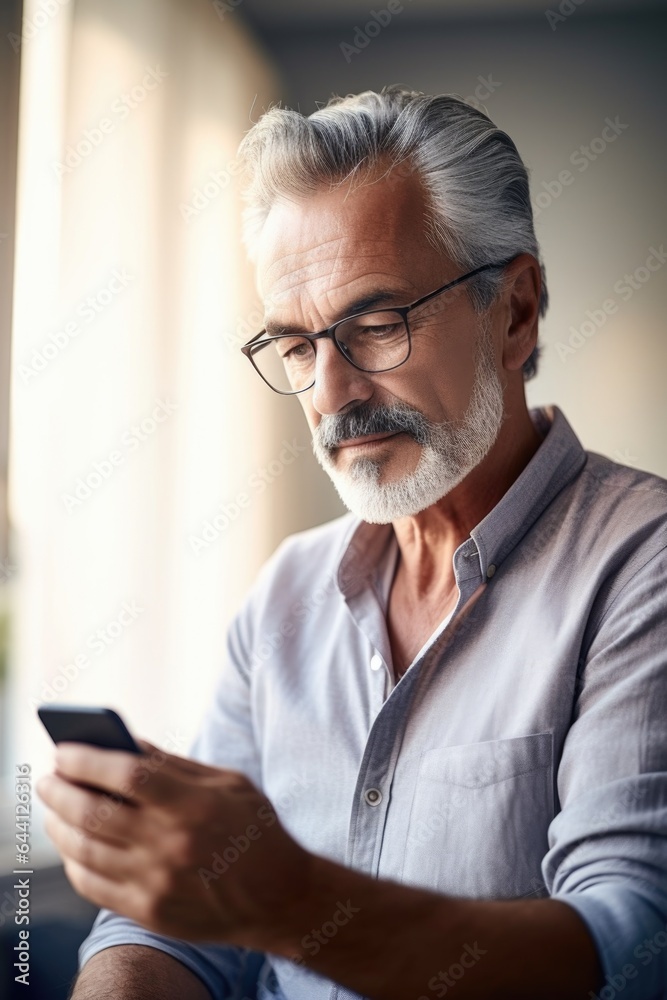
[559, 458]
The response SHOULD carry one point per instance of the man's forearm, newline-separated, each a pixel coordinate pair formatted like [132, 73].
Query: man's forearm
[136, 972]
[389, 941]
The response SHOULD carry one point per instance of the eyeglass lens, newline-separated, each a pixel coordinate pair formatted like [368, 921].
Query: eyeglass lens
[373, 342]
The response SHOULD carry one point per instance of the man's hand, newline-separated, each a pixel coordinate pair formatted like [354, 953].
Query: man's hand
[162, 844]
[186, 850]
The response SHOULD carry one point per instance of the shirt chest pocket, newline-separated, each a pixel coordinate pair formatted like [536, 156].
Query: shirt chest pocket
[479, 818]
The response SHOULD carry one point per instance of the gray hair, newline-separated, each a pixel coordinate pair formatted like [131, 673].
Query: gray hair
[474, 177]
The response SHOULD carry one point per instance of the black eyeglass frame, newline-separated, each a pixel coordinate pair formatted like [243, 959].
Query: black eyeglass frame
[330, 332]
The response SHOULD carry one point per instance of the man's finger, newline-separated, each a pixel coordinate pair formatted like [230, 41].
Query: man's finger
[138, 778]
[157, 777]
[111, 860]
[124, 898]
[101, 815]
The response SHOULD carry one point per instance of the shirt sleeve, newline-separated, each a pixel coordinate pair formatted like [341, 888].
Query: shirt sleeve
[229, 973]
[225, 739]
[607, 853]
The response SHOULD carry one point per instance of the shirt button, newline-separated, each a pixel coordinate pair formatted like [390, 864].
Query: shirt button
[491, 570]
[373, 796]
[376, 661]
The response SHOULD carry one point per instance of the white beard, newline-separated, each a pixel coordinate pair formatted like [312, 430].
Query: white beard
[450, 450]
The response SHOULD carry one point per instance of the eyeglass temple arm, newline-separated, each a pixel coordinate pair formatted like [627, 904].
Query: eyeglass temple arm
[457, 281]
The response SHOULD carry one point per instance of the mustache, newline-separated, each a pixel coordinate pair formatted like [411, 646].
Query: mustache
[366, 420]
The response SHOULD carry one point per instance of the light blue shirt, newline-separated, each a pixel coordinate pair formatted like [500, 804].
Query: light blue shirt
[522, 754]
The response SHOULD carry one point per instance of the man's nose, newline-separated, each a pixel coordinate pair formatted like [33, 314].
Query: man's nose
[337, 382]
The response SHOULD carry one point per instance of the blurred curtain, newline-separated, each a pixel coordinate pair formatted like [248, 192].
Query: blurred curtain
[10, 24]
[135, 419]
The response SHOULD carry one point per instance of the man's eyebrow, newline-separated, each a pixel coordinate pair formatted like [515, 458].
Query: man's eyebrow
[379, 297]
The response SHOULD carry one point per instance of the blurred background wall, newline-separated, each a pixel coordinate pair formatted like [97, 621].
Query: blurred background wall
[139, 436]
[133, 424]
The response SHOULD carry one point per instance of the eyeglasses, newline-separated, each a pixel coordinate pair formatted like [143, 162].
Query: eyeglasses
[374, 341]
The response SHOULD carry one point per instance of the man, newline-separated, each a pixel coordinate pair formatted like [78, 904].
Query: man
[436, 760]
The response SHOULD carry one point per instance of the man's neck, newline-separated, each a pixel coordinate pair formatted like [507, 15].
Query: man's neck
[427, 541]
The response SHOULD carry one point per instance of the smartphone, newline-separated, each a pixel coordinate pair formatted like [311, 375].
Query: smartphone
[101, 727]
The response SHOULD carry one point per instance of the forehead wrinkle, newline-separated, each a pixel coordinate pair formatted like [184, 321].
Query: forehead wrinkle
[332, 267]
[313, 271]
[316, 259]
[312, 251]
[382, 279]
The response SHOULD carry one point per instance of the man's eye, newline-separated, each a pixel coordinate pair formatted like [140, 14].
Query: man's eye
[375, 326]
[294, 349]
[379, 329]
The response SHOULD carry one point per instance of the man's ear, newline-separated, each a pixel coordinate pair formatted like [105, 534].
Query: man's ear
[523, 284]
